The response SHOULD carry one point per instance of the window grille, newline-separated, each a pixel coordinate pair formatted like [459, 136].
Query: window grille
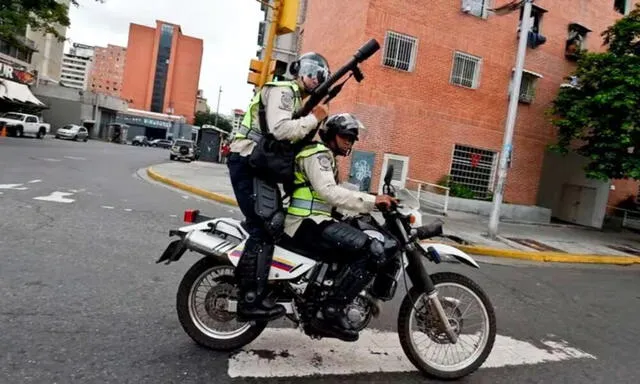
[399, 51]
[474, 168]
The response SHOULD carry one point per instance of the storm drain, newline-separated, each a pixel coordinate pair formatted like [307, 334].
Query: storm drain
[538, 246]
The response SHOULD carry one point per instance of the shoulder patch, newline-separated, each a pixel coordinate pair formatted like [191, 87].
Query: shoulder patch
[325, 161]
[286, 100]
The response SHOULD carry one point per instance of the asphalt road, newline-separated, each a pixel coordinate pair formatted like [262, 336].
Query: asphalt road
[83, 300]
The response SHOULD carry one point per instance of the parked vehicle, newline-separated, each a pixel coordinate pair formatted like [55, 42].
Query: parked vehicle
[140, 141]
[19, 124]
[73, 132]
[161, 143]
[443, 311]
[184, 149]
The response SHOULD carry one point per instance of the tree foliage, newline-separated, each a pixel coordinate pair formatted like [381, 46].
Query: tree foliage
[203, 118]
[42, 15]
[599, 118]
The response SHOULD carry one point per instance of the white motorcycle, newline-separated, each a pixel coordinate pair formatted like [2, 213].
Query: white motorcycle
[446, 323]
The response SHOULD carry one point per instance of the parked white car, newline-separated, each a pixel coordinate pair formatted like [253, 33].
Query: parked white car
[19, 124]
[74, 132]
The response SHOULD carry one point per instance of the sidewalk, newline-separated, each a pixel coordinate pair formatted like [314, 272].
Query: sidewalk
[551, 243]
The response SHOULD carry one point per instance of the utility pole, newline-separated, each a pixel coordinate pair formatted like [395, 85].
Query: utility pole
[218, 108]
[512, 113]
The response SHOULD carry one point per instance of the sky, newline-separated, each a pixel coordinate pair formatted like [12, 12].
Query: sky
[229, 29]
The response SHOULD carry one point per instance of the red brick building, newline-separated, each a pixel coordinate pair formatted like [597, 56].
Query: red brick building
[162, 69]
[435, 95]
[107, 71]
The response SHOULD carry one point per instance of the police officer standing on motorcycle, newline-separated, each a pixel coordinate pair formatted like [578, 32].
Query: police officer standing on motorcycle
[311, 224]
[279, 101]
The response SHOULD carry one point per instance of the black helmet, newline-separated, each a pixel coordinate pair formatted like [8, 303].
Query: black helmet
[343, 124]
[311, 64]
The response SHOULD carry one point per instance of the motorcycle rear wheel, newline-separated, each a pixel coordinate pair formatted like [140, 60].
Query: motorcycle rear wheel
[203, 321]
[414, 311]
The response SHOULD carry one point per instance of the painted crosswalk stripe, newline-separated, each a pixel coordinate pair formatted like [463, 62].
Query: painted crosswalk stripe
[35, 181]
[286, 352]
[74, 158]
[56, 197]
[17, 187]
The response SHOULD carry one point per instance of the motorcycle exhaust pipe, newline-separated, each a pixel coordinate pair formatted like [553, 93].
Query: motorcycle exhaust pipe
[207, 244]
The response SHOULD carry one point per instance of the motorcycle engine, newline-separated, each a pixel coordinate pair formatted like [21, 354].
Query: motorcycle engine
[358, 313]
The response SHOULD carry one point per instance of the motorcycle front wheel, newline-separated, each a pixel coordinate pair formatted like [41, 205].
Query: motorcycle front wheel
[470, 313]
[201, 304]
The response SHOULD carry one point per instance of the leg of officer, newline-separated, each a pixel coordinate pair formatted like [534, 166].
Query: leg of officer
[251, 277]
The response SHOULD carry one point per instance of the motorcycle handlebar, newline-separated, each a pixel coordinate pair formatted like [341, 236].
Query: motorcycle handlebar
[430, 230]
[365, 52]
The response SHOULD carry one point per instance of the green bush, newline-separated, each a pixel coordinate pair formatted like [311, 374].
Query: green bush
[456, 189]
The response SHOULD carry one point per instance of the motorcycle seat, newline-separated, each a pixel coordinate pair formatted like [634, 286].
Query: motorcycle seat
[289, 244]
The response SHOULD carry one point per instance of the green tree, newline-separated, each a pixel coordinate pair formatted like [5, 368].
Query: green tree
[42, 15]
[203, 118]
[599, 118]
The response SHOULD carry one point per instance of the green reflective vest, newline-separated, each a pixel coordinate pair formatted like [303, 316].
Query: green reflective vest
[304, 200]
[251, 121]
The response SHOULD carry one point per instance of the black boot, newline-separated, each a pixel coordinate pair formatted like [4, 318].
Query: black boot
[252, 273]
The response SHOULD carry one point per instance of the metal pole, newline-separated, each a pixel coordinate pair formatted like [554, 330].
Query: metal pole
[511, 119]
[271, 37]
[215, 123]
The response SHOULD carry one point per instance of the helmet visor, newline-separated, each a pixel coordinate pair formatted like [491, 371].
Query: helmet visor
[313, 70]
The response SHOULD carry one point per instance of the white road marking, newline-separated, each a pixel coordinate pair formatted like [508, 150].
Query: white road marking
[50, 159]
[128, 209]
[185, 197]
[74, 158]
[35, 181]
[173, 215]
[106, 207]
[376, 351]
[10, 186]
[56, 197]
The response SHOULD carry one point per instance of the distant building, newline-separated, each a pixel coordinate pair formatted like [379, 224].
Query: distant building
[162, 69]
[201, 103]
[107, 72]
[76, 66]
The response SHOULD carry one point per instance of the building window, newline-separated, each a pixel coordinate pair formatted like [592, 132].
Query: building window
[476, 7]
[537, 13]
[474, 168]
[466, 70]
[162, 68]
[528, 88]
[576, 41]
[620, 6]
[399, 51]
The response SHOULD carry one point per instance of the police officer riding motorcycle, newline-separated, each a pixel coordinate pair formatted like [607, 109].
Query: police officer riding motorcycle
[269, 120]
[311, 219]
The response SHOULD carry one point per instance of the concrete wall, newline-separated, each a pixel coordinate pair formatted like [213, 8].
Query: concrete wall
[559, 171]
[61, 112]
[509, 212]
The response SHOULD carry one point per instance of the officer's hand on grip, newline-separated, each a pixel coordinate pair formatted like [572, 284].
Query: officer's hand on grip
[384, 202]
[320, 111]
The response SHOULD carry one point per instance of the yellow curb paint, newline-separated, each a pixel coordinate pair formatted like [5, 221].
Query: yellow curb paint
[554, 257]
[191, 189]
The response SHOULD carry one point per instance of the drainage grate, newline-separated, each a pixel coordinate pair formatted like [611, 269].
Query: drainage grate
[538, 246]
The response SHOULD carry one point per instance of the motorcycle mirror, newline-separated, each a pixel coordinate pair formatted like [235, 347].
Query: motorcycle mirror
[388, 175]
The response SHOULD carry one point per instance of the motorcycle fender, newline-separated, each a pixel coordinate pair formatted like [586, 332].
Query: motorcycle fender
[447, 251]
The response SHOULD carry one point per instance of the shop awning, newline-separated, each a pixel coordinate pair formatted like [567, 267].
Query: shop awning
[18, 93]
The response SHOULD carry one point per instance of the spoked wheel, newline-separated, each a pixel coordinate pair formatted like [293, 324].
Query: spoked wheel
[469, 313]
[202, 307]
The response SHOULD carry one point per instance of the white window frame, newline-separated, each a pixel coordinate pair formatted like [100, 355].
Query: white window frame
[405, 170]
[494, 164]
[475, 82]
[414, 51]
[465, 7]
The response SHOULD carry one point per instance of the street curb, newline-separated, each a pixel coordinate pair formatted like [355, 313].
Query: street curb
[191, 189]
[552, 257]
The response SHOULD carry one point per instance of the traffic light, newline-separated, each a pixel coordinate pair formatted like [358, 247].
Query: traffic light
[287, 16]
[276, 67]
[255, 70]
